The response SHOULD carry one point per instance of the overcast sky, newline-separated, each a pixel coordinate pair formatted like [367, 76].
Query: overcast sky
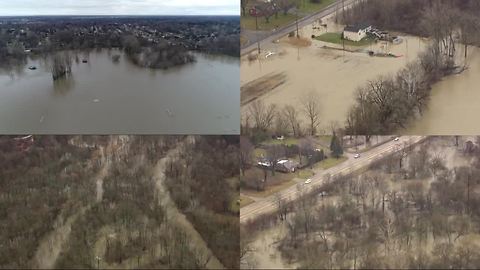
[119, 7]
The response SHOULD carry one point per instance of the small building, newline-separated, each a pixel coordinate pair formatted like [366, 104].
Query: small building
[282, 165]
[286, 166]
[356, 32]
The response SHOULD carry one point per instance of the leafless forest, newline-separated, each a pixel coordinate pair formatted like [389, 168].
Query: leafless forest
[415, 209]
[105, 201]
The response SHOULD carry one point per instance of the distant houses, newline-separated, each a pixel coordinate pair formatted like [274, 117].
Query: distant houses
[356, 32]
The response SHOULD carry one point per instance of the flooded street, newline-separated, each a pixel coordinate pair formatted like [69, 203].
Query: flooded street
[102, 97]
[333, 74]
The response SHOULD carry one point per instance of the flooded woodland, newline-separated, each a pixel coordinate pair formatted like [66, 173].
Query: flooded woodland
[106, 93]
[290, 70]
[410, 210]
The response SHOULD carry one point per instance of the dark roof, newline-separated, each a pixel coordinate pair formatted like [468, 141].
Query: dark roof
[356, 27]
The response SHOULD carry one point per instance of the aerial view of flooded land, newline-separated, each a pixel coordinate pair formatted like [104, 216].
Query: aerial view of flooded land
[408, 202]
[367, 67]
[119, 74]
[119, 202]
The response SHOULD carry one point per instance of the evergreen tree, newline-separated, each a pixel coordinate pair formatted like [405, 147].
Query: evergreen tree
[336, 147]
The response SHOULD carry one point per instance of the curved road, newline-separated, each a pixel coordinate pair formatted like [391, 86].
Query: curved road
[269, 204]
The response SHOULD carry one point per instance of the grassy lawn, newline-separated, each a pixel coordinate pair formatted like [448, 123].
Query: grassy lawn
[306, 8]
[337, 39]
[244, 201]
[330, 162]
[259, 152]
[270, 189]
[234, 206]
[325, 140]
[310, 7]
[248, 22]
[286, 141]
[305, 173]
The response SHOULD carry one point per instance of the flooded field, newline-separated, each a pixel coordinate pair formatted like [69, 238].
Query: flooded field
[103, 96]
[334, 75]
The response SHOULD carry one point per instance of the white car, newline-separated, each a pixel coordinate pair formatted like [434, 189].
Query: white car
[356, 156]
[396, 139]
[308, 181]
[269, 54]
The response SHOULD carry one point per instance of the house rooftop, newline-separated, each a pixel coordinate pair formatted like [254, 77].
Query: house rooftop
[356, 27]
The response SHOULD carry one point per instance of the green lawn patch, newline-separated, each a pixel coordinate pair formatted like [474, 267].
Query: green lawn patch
[306, 8]
[259, 152]
[304, 174]
[271, 189]
[336, 38]
[330, 162]
[248, 22]
[244, 201]
[286, 141]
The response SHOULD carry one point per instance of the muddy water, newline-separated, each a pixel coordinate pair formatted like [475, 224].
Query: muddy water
[454, 104]
[103, 97]
[334, 75]
[266, 254]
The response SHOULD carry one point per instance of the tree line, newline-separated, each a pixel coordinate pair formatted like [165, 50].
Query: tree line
[204, 184]
[388, 103]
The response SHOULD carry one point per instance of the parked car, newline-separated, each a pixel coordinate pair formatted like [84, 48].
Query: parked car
[356, 156]
[308, 181]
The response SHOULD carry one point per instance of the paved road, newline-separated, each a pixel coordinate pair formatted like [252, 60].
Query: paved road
[267, 37]
[269, 204]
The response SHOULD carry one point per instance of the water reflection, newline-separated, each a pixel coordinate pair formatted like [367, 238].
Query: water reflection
[129, 99]
[62, 86]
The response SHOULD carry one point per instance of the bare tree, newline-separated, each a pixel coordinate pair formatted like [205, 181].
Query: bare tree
[262, 115]
[292, 116]
[246, 151]
[311, 108]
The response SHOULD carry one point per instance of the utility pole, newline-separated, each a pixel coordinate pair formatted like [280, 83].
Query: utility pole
[296, 22]
[256, 27]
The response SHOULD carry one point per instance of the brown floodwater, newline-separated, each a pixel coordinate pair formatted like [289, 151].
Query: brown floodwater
[104, 97]
[266, 254]
[332, 74]
[335, 75]
[454, 103]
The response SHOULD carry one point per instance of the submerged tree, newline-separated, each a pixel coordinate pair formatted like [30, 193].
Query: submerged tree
[61, 65]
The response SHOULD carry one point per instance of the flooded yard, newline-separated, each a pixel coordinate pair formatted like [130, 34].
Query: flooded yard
[334, 75]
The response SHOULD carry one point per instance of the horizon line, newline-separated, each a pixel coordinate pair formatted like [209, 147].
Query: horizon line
[44, 15]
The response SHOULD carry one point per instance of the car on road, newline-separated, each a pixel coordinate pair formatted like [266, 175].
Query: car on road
[308, 181]
[396, 139]
[356, 155]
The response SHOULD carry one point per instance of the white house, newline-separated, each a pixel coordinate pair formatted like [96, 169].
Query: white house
[356, 32]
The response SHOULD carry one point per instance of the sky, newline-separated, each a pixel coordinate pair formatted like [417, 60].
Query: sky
[119, 7]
